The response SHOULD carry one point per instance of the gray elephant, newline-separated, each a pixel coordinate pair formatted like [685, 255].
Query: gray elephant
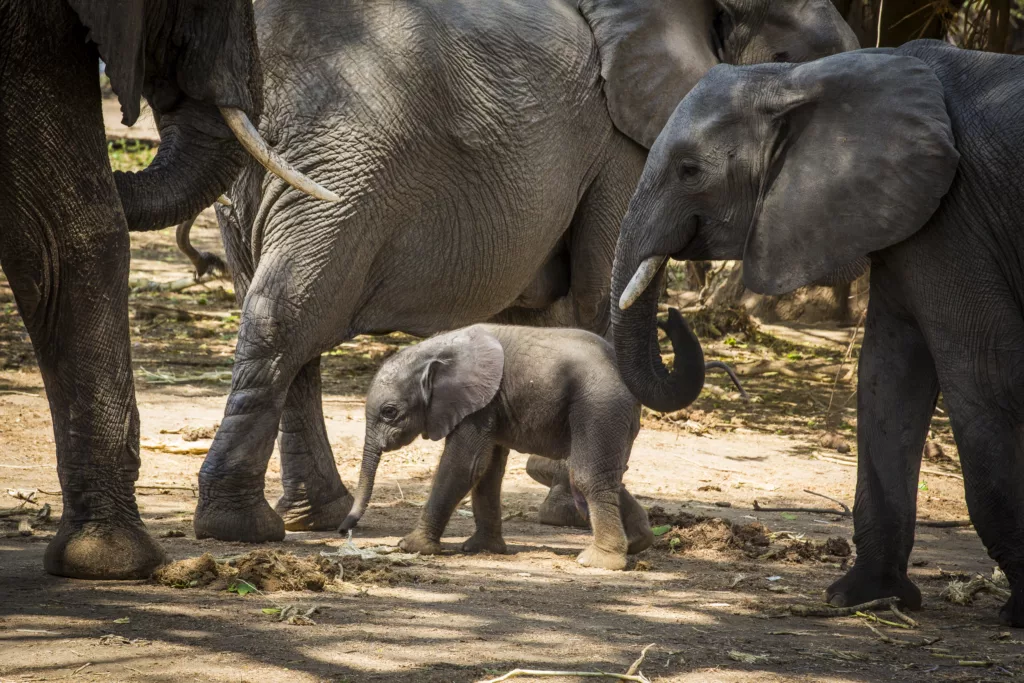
[906, 158]
[65, 220]
[485, 154]
[486, 389]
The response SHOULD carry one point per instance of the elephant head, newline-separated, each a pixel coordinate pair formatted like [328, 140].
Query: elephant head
[653, 52]
[197, 64]
[801, 171]
[427, 389]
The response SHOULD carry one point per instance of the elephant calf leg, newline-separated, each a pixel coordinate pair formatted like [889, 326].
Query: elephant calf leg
[487, 507]
[635, 522]
[314, 497]
[559, 508]
[608, 550]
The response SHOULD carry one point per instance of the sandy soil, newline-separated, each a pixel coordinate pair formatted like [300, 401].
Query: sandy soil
[706, 605]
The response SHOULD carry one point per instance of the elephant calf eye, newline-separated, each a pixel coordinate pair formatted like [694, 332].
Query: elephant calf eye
[389, 412]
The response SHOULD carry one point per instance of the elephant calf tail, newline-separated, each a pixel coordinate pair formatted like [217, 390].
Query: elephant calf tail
[719, 365]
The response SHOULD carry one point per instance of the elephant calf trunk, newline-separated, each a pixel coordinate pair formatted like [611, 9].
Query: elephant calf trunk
[367, 473]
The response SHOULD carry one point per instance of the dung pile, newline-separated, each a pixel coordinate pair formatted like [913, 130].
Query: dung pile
[696, 533]
[267, 570]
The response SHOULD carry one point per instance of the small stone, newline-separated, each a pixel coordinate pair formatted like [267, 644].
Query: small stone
[24, 528]
[173, 533]
[723, 504]
[842, 447]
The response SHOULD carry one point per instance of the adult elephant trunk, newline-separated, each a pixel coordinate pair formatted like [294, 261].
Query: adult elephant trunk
[202, 149]
[367, 473]
[197, 161]
[638, 276]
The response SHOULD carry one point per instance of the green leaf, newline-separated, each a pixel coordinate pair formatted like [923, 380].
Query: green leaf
[674, 542]
[923, 486]
[661, 530]
[122, 620]
[271, 610]
[241, 586]
[788, 515]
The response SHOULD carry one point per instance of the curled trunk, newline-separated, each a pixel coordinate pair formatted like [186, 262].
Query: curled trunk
[636, 342]
[197, 161]
[367, 473]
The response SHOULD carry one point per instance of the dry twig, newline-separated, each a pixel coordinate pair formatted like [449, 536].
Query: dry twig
[632, 674]
[816, 611]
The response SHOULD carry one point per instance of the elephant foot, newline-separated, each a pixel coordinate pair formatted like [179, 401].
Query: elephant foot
[593, 556]
[1012, 613]
[485, 543]
[102, 550]
[253, 523]
[559, 509]
[302, 515]
[864, 584]
[639, 539]
[417, 542]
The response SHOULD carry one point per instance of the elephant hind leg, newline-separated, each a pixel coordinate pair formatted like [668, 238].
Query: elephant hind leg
[635, 522]
[314, 497]
[559, 507]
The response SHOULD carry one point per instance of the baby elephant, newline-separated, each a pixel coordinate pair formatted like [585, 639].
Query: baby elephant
[491, 388]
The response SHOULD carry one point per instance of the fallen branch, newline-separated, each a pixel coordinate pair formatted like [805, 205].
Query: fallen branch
[181, 314]
[150, 487]
[174, 450]
[632, 674]
[817, 511]
[960, 593]
[167, 378]
[912, 623]
[815, 611]
[853, 463]
[872, 617]
[950, 524]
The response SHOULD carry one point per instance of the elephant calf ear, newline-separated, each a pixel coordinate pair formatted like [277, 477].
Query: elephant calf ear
[117, 27]
[461, 378]
[862, 155]
[652, 53]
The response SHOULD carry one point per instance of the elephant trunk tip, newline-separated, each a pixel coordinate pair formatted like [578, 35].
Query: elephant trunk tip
[348, 524]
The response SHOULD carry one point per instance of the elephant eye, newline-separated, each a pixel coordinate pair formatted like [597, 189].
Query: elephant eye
[389, 413]
[688, 169]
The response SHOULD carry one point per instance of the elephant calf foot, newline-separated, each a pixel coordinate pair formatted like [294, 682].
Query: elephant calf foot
[559, 509]
[592, 556]
[103, 550]
[485, 543]
[302, 515]
[417, 542]
[864, 583]
[254, 522]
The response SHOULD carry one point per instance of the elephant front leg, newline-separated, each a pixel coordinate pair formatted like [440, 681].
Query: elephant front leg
[896, 393]
[465, 460]
[314, 497]
[64, 249]
[487, 506]
[559, 507]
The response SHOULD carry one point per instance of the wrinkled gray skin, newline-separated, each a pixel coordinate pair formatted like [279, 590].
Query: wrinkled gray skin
[485, 152]
[486, 389]
[64, 220]
[909, 157]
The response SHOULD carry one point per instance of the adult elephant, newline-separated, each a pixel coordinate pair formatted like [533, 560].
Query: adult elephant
[485, 152]
[908, 157]
[64, 217]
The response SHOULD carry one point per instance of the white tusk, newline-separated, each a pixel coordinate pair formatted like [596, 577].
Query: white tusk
[642, 279]
[224, 200]
[250, 138]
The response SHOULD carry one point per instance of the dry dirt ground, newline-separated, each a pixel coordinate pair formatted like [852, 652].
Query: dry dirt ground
[712, 600]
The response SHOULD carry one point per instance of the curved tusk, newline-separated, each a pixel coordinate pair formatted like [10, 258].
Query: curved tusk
[224, 200]
[250, 138]
[642, 279]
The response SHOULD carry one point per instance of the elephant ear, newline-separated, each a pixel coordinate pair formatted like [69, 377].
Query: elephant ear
[652, 53]
[117, 27]
[460, 378]
[861, 154]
